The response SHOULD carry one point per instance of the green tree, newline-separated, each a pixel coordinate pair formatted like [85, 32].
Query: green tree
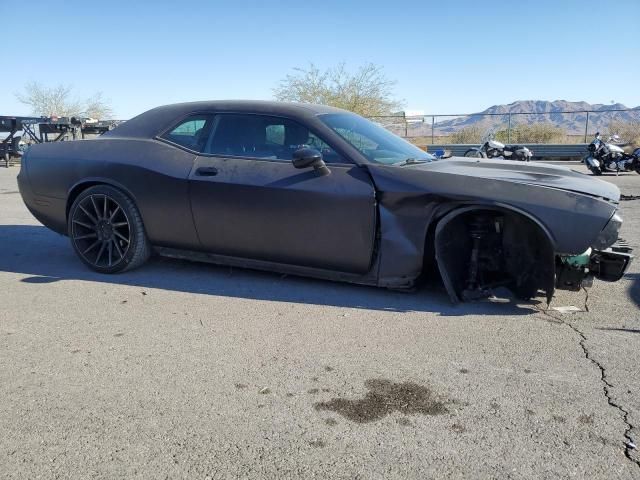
[367, 91]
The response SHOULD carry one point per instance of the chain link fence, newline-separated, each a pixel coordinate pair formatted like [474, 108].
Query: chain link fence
[559, 127]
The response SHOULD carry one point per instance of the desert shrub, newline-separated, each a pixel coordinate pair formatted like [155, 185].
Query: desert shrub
[629, 132]
[503, 136]
[533, 133]
[470, 134]
[539, 133]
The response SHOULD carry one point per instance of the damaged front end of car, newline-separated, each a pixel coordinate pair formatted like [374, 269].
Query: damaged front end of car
[479, 250]
[529, 228]
[607, 259]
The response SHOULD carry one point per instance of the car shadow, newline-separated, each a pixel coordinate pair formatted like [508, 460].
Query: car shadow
[46, 257]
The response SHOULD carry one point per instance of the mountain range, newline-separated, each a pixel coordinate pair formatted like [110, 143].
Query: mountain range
[534, 111]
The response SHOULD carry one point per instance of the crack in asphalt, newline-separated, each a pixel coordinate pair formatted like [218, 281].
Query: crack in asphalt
[606, 386]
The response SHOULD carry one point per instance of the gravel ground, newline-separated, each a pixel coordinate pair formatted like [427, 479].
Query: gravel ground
[184, 370]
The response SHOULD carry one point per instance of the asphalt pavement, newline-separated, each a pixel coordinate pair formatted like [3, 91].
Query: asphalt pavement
[186, 370]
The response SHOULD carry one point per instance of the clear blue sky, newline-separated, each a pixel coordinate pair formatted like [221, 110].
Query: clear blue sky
[447, 56]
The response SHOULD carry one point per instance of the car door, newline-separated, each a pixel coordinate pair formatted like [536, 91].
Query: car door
[249, 201]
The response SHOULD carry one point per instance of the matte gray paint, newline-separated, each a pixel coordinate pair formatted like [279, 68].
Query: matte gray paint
[386, 240]
[269, 210]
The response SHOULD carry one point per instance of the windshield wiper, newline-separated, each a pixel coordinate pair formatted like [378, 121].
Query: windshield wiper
[409, 161]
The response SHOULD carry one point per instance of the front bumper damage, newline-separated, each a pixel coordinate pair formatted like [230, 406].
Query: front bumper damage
[609, 265]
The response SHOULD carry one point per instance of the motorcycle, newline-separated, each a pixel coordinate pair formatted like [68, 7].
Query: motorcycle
[606, 157]
[491, 148]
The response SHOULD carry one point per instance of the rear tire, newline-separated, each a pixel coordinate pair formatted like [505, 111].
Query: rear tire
[106, 230]
[596, 171]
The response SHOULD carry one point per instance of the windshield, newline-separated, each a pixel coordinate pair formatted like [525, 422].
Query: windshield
[375, 142]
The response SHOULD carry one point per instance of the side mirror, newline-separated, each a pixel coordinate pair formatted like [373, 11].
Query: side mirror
[310, 157]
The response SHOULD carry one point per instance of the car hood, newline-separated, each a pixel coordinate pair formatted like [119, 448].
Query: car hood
[544, 175]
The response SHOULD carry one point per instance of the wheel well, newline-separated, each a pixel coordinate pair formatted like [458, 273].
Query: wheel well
[480, 247]
[77, 190]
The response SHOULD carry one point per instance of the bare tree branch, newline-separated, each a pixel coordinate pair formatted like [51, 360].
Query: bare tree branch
[58, 101]
[96, 107]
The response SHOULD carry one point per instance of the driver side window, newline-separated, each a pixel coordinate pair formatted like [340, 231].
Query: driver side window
[264, 137]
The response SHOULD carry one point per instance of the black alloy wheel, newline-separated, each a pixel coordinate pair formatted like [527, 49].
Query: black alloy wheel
[106, 230]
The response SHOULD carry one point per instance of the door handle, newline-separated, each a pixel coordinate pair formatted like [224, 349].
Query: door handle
[207, 171]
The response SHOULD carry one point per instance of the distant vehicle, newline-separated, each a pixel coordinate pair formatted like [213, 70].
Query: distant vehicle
[608, 157]
[317, 191]
[491, 148]
[441, 153]
[12, 148]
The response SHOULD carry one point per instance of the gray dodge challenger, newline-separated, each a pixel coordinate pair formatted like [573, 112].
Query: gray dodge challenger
[317, 191]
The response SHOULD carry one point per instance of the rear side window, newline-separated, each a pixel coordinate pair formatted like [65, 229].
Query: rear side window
[191, 132]
[263, 136]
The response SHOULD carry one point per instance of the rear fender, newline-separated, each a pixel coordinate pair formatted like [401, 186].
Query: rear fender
[85, 183]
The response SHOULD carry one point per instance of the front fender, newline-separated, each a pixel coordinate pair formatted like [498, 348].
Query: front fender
[525, 260]
[591, 162]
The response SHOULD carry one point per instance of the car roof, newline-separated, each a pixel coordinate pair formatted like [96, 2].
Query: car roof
[148, 124]
[262, 106]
